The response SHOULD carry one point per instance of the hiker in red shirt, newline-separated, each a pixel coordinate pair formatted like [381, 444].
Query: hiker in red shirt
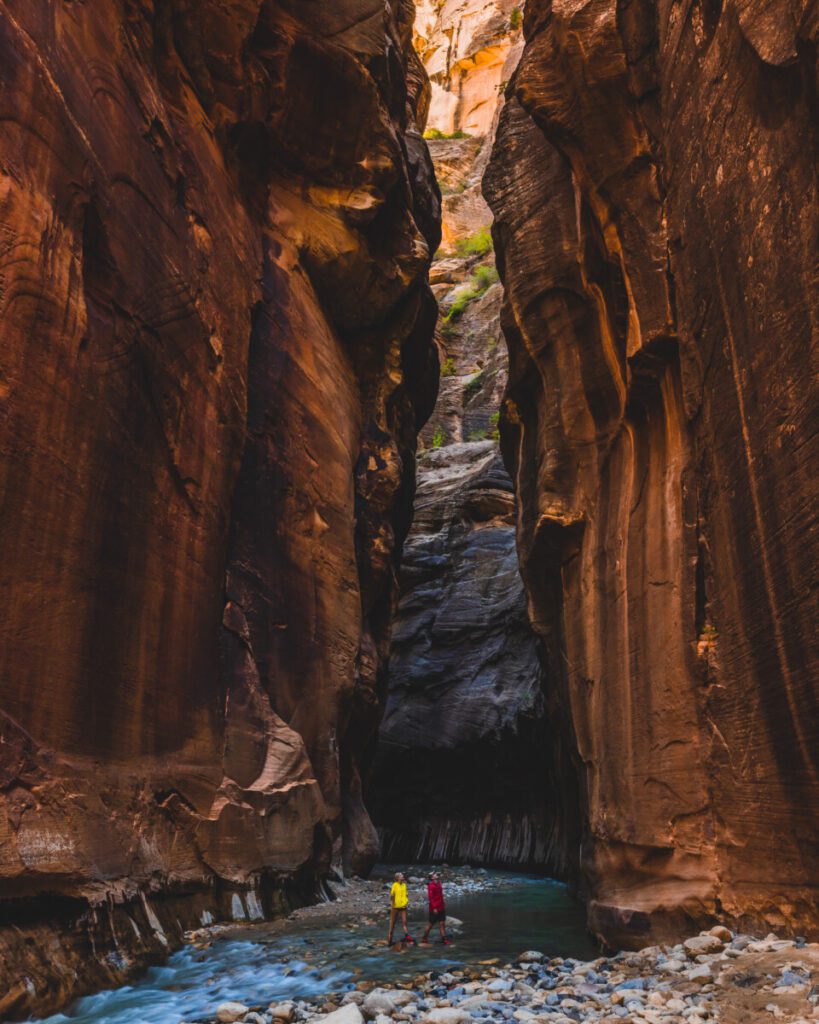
[437, 909]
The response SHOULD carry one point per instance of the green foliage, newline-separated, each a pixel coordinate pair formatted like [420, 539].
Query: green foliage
[494, 417]
[493, 423]
[485, 276]
[477, 435]
[473, 385]
[478, 244]
[438, 436]
[436, 133]
[456, 310]
[448, 368]
[515, 19]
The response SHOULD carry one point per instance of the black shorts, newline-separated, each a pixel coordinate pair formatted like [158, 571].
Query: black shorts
[437, 915]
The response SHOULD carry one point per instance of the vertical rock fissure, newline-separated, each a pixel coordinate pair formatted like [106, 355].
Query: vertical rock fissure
[468, 768]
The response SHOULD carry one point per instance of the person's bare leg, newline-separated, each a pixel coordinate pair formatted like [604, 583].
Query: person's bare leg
[404, 922]
[426, 935]
[442, 927]
[393, 915]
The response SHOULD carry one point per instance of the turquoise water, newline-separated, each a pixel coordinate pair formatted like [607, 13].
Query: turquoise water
[262, 963]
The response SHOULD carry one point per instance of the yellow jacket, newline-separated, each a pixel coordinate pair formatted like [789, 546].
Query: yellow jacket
[398, 895]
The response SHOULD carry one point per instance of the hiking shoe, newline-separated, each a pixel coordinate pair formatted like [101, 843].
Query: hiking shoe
[445, 942]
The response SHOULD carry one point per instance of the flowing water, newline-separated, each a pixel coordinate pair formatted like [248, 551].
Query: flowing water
[262, 963]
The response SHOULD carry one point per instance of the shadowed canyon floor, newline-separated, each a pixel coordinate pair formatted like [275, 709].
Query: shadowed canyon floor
[327, 959]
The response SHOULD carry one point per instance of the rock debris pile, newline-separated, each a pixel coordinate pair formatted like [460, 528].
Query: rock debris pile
[716, 976]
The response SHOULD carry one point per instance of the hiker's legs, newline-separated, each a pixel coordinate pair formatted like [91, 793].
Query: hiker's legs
[426, 933]
[393, 915]
[442, 927]
[404, 921]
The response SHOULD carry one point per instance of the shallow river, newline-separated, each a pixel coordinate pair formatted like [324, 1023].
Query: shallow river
[262, 963]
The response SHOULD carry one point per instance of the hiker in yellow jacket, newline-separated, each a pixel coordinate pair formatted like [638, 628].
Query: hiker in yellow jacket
[398, 905]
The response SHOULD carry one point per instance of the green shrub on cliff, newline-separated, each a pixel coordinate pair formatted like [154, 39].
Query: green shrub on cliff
[448, 368]
[473, 385]
[436, 133]
[438, 436]
[483, 278]
[478, 244]
[515, 19]
[456, 310]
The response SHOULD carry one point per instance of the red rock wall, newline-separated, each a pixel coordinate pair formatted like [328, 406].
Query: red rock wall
[216, 224]
[655, 194]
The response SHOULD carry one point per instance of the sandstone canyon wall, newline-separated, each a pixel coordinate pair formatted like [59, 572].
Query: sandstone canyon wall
[216, 353]
[464, 769]
[654, 187]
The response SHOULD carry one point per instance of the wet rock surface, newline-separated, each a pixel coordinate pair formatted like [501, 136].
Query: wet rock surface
[653, 189]
[217, 349]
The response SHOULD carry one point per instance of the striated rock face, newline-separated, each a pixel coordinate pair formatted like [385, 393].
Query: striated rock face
[216, 223]
[464, 765]
[654, 189]
[469, 49]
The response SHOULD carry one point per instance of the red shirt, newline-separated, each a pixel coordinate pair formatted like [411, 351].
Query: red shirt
[436, 897]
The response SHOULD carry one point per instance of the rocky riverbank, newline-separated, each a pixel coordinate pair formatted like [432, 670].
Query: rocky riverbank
[716, 976]
[704, 979]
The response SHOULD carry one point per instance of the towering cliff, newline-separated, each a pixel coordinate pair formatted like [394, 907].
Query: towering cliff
[217, 222]
[464, 764]
[654, 187]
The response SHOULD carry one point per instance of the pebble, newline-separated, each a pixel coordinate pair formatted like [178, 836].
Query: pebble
[349, 1014]
[474, 1002]
[227, 1013]
[449, 1015]
[377, 1003]
[703, 944]
[286, 1011]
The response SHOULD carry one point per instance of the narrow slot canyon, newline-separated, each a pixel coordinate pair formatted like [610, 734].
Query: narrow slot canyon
[466, 730]
[408, 459]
